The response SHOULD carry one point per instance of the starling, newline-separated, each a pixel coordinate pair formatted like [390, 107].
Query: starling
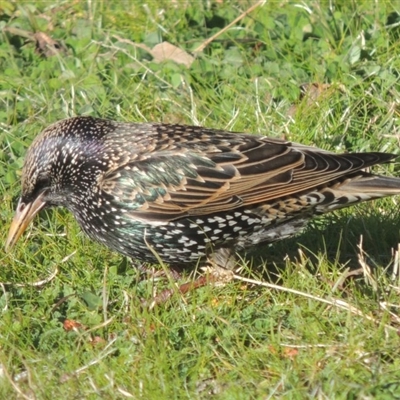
[187, 194]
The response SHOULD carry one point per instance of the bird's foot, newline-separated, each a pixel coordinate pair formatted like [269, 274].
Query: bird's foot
[219, 270]
[220, 266]
[150, 272]
[166, 294]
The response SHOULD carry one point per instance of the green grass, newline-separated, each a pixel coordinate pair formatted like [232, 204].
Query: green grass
[241, 340]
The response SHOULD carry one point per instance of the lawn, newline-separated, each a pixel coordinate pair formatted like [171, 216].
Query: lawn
[315, 316]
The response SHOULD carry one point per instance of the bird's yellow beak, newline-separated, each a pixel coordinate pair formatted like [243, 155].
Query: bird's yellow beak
[23, 217]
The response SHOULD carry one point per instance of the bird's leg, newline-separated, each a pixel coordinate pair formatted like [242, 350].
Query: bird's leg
[166, 294]
[219, 271]
[174, 273]
[220, 266]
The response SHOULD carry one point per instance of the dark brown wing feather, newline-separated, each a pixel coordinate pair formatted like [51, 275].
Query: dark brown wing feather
[178, 181]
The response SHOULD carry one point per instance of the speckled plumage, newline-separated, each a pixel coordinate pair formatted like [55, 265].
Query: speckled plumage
[188, 192]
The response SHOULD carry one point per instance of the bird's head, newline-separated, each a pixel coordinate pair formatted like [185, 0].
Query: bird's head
[60, 161]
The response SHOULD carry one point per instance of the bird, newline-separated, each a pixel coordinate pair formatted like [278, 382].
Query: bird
[187, 195]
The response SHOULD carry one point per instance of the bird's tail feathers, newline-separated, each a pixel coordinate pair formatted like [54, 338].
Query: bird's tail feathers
[358, 189]
[375, 185]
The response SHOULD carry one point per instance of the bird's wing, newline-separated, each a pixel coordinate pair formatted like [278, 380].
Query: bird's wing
[181, 181]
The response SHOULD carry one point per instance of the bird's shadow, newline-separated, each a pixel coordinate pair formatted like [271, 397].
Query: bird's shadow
[339, 238]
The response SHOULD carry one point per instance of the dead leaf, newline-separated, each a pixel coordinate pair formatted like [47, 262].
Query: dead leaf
[290, 352]
[97, 341]
[47, 46]
[162, 51]
[70, 324]
[167, 51]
